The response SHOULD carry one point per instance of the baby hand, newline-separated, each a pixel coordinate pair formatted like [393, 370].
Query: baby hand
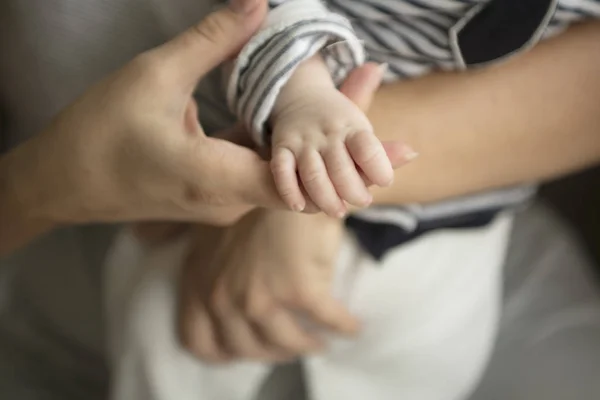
[325, 141]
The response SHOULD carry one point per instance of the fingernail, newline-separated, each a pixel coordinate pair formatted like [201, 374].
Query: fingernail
[298, 207]
[409, 153]
[244, 6]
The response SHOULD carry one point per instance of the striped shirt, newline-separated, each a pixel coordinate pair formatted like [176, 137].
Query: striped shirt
[414, 37]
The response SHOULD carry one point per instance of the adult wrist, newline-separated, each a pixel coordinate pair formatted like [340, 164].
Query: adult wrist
[27, 191]
[20, 194]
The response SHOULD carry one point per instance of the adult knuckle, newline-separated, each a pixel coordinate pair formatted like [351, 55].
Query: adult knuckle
[305, 296]
[258, 309]
[219, 301]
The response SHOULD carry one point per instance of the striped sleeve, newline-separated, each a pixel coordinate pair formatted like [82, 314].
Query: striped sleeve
[568, 12]
[294, 31]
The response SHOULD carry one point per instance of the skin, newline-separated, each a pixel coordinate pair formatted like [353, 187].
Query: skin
[239, 301]
[152, 160]
[533, 118]
[478, 140]
[131, 147]
[322, 140]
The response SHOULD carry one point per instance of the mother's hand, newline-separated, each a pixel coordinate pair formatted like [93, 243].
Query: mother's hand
[240, 301]
[131, 148]
[360, 87]
[237, 298]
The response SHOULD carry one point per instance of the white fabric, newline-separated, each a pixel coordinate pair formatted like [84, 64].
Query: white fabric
[51, 331]
[429, 310]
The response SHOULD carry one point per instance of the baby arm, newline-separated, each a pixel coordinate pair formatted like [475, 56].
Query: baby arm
[323, 140]
[283, 88]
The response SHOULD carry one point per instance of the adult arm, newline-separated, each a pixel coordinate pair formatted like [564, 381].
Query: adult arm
[533, 118]
[17, 225]
[131, 147]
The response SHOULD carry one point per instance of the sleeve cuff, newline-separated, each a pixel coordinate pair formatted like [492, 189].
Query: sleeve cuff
[293, 32]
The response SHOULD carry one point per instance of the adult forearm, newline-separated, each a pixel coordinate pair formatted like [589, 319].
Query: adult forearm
[21, 198]
[532, 118]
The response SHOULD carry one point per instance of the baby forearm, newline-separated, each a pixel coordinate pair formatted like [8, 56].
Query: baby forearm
[533, 118]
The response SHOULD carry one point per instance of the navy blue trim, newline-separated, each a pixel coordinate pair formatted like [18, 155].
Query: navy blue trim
[378, 238]
[502, 28]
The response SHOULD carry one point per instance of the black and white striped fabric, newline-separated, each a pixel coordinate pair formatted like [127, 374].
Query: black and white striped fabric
[414, 37]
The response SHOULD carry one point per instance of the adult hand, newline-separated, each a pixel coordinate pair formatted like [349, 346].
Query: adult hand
[360, 87]
[245, 302]
[236, 303]
[131, 148]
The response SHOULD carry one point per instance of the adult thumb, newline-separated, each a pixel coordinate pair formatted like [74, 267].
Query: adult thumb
[216, 38]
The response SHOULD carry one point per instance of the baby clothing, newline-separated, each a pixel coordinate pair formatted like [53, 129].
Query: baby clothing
[429, 307]
[413, 37]
[429, 312]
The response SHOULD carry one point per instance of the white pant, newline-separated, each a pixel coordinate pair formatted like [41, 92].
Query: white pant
[429, 313]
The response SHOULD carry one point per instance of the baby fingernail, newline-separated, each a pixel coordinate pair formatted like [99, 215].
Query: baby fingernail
[298, 207]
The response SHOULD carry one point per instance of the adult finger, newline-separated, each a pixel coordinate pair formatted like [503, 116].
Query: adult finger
[234, 332]
[399, 153]
[274, 325]
[360, 87]
[329, 313]
[283, 331]
[240, 340]
[213, 40]
[362, 83]
[196, 330]
[243, 177]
